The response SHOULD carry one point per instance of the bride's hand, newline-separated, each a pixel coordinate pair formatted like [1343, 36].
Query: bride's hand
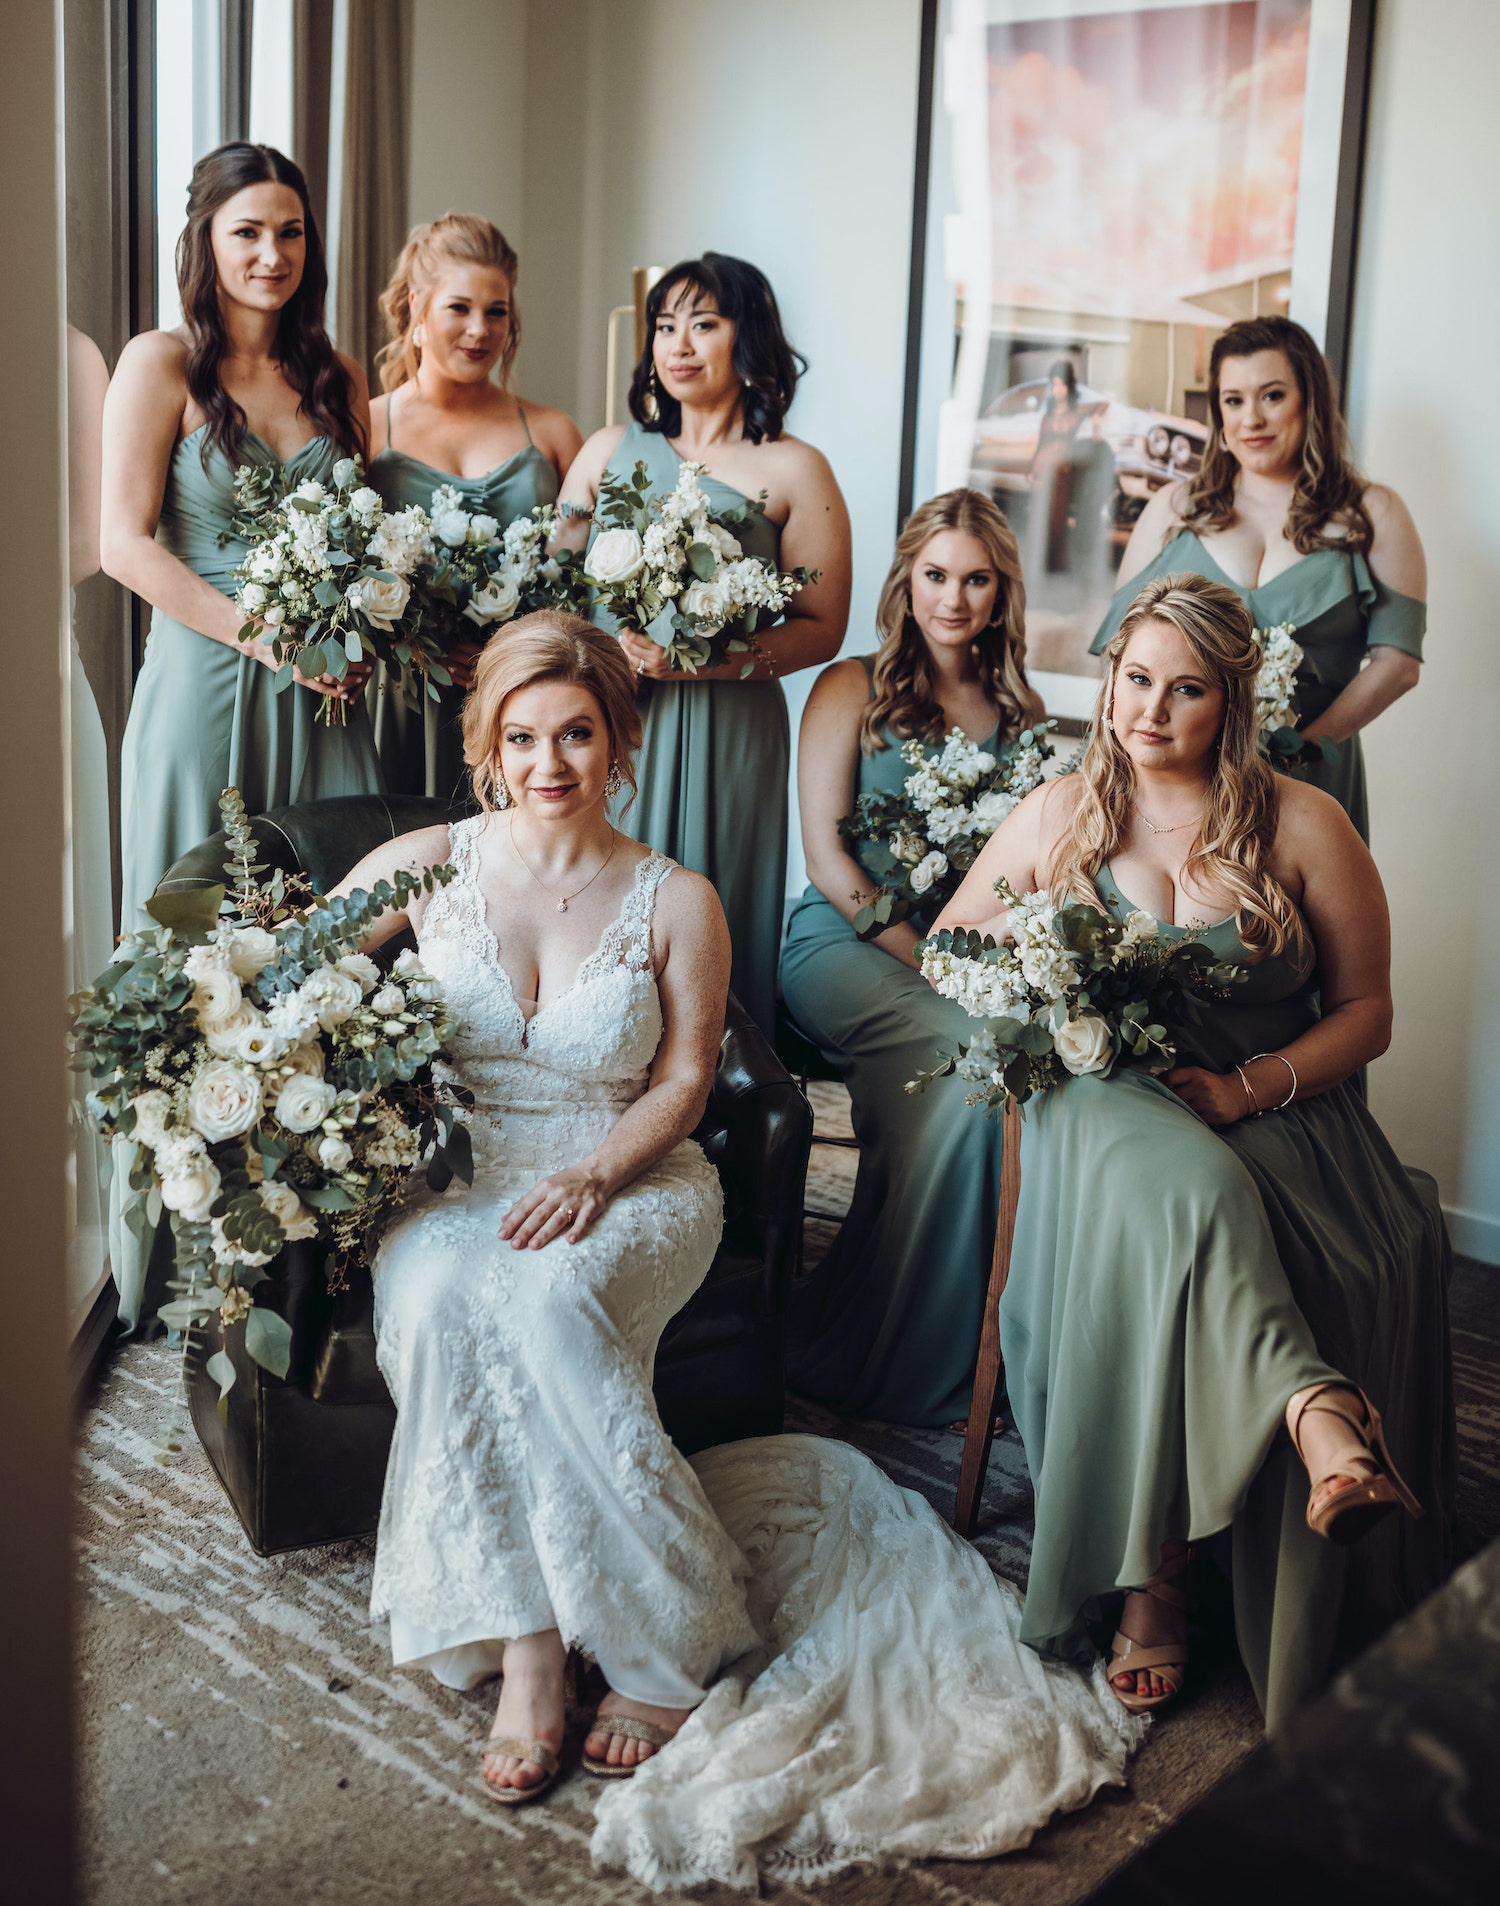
[1217, 1097]
[563, 1202]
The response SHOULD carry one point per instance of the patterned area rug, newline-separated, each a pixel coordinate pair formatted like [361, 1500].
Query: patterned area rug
[244, 1738]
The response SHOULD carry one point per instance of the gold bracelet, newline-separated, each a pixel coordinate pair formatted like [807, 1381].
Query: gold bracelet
[1290, 1068]
[1248, 1093]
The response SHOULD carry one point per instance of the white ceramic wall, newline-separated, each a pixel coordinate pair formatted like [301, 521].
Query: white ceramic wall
[1425, 417]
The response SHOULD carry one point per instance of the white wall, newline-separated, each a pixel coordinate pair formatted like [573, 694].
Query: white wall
[1425, 417]
[468, 110]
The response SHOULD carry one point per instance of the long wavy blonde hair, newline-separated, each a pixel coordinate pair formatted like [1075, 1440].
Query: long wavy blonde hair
[905, 692]
[455, 238]
[1234, 841]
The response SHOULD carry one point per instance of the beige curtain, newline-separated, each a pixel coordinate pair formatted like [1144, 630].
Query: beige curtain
[368, 168]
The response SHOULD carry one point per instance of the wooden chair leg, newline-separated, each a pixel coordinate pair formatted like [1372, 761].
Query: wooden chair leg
[990, 1370]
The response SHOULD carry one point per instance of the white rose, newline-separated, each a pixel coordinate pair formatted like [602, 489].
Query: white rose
[331, 994]
[615, 557]
[275, 615]
[223, 1101]
[343, 471]
[727, 549]
[252, 598]
[365, 504]
[927, 870]
[335, 1154]
[311, 492]
[248, 949]
[497, 601]
[152, 1113]
[483, 530]
[703, 599]
[452, 526]
[191, 1186]
[223, 1036]
[390, 999]
[1084, 1044]
[304, 1102]
[216, 991]
[360, 967]
[289, 1211]
[415, 977]
[379, 601]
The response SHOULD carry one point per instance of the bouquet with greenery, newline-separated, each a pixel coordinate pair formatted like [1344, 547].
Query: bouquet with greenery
[275, 1083]
[472, 577]
[1070, 991]
[929, 835]
[665, 566]
[1275, 691]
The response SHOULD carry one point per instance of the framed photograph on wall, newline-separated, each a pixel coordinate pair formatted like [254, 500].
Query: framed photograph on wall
[1102, 185]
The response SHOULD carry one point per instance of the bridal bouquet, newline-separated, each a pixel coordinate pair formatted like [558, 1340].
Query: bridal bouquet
[472, 576]
[1071, 991]
[1275, 690]
[276, 1084]
[663, 565]
[931, 832]
[328, 574]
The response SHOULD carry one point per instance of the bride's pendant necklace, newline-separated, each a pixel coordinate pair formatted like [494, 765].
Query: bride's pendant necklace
[562, 905]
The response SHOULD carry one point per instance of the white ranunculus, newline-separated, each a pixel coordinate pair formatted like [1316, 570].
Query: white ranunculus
[223, 1101]
[380, 602]
[332, 994]
[335, 1154]
[248, 949]
[257, 1045]
[927, 870]
[343, 471]
[223, 1036]
[304, 1102]
[311, 492]
[216, 991]
[190, 1186]
[365, 504]
[703, 599]
[360, 967]
[418, 982]
[252, 598]
[390, 999]
[615, 557]
[289, 1211]
[1084, 1044]
[497, 601]
[725, 546]
[451, 527]
[483, 530]
[153, 1111]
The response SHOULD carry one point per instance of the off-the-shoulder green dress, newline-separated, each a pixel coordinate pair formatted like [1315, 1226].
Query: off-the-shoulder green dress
[1338, 610]
[713, 764]
[888, 1325]
[423, 752]
[1171, 1286]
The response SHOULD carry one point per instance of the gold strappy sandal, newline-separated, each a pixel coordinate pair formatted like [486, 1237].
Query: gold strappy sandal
[538, 1751]
[1376, 1489]
[628, 1729]
[1167, 1660]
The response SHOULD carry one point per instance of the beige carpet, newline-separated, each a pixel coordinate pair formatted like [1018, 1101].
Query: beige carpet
[244, 1738]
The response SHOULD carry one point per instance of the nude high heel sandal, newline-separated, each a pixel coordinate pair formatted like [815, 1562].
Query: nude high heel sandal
[1167, 1660]
[537, 1751]
[1376, 1489]
[630, 1730]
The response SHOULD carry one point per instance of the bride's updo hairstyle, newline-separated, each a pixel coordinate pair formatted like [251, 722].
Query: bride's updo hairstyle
[549, 646]
[1238, 831]
[905, 695]
[457, 238]
[764, 362]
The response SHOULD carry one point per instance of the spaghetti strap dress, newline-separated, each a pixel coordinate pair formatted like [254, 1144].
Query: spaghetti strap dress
[1338, 610]
[421, 750]
[1172, 1285]
[714, 762]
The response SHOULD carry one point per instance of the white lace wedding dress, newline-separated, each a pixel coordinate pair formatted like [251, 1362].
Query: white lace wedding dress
[875, 1701]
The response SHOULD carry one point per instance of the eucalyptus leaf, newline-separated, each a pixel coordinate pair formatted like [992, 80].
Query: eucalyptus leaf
[268, 1339]
[222, 1371]
[187, 909]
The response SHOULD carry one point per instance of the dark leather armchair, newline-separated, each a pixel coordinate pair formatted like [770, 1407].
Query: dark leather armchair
[303, 1458]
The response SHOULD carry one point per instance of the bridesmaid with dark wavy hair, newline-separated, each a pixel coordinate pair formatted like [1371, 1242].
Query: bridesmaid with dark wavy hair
[249, 376]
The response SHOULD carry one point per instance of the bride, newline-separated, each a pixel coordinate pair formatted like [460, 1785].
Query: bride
[845, 1672]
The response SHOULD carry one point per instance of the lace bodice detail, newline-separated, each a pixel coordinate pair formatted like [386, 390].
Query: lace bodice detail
[557, 1082]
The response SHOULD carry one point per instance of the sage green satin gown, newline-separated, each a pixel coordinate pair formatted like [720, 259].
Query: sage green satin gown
[713, 765]
[422, 752]
[1171, 1286]
[1338, 609]
[888, 1325]
[205, 716]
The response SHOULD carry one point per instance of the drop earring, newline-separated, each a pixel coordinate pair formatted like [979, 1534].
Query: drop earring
[502, 792]
[613, 782]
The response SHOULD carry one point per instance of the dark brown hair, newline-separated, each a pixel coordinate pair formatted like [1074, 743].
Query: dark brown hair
[1329, 488]
[303, 349]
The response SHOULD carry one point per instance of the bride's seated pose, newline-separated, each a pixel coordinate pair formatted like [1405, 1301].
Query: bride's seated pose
[1201, 1258]
[533, 1501]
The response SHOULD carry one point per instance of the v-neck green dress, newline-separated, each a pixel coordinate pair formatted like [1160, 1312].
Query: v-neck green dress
[205, 716]
[888, 1325]
[422, 752]
[1338, 610]
[1171, 1286]
[713, 764]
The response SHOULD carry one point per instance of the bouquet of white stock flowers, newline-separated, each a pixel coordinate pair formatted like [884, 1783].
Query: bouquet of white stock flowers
[929, 835]
[474, 576]
[1070, 991]
[276, 1084]
[1275, 693]
[665, 566]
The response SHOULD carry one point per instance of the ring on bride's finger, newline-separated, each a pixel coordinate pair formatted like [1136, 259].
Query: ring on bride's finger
[570, 1214]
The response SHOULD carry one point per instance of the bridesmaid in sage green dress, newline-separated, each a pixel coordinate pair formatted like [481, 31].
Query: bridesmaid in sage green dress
[248, 377]
[888, 1326]
[1198, 1258]
[713, 387]
[1279, 515]
[450, 313]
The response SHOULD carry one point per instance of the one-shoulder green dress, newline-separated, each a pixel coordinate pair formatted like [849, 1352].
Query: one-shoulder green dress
[888, 1326]
[1171, 1287]
[714, 762]
[205, 716]
[422, 752]
[1338, 610]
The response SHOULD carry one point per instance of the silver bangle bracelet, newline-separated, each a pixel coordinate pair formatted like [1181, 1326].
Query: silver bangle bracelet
[1290, 1068]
